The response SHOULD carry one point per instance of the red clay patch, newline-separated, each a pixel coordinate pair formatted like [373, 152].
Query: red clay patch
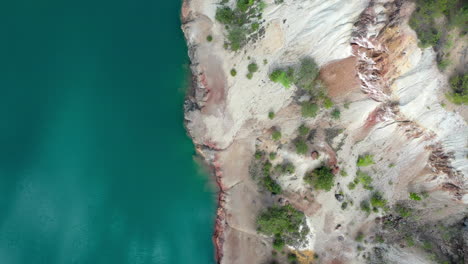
[340, 77]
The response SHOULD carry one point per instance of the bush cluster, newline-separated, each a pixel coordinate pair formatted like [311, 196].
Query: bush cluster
[321, 178]
[459, 85]
[282, 222]
[241, 21]
[365, 160]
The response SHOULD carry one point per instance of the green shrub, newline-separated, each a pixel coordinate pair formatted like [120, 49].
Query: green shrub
[225, 15]
[303, 130]
[459, 85]
[276, 135]
[249, 75]
[292, 257]
[265, 61]
[271, 185]
[379, 239]
[271, 114]
[282, 77]
[364, 179]
[403, 211]
[237, 37]
[233, 72]
[377, 200]
[365, 206]
[307, 73]
[415, 196]
[209, 38]
[327, 103]
[344, 205]
[252, 67]
[272, 155]
[309, 109]
[335, 113]
[301, 147]
[409, 241]
[243, 5]
[365, 160]
[258, 155]
[255, 26]
[346, 105]
[343, 173]
[280, 220]
[359, 237]
[289, 168]
[321, 178]
[266, 168]
[351, 185]
[278, 243]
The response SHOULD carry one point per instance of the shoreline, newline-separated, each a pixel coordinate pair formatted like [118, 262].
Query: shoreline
[214, 171]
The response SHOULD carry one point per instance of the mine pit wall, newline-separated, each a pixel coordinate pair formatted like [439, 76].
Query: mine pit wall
[394, 72]
[393, 69]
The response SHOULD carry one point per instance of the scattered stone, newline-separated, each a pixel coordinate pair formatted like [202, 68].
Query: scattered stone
[339, 197]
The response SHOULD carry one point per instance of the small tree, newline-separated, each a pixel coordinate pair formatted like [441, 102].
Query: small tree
[271, 185]
[309, 109]
[271, 114]
[281, 76]
[415, 196]
[301, 147]
[327, 103]
[289, 168]
[377, 200]
[276, 135]
[336, 113]
[252, 67]
[233, 72]
[365, 160]
[303, 130]
[321, 178]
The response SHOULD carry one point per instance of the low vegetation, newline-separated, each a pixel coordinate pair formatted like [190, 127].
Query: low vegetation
[365, 206]
[433, 20]
[301, 146]
[271, 185]
[302, 75]
[272, 155]
[377, 200]
[233, 72]
[284, 77]
[359, 237]
[271, 115]
[365, 179]
[276, 135]
[321, 178]
[309, 109]
[252, 68]
[415, 196]
[365, 160]
[459, 86]
[283, 223]
[241, 22]
[336, 113]
[303, 130]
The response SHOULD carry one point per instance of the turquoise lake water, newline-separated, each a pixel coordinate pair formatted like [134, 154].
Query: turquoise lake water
[95, 165]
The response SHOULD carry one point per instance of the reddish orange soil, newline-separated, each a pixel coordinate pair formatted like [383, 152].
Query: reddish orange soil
[340, 77]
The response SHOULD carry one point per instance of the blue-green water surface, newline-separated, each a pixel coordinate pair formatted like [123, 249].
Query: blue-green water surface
[95, 165]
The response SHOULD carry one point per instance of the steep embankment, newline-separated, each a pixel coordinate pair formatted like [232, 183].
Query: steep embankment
[386, 89]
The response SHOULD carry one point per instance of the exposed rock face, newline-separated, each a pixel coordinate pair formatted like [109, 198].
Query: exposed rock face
[394, 89]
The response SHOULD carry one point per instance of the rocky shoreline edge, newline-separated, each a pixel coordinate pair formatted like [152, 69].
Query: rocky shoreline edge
[206, 153]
